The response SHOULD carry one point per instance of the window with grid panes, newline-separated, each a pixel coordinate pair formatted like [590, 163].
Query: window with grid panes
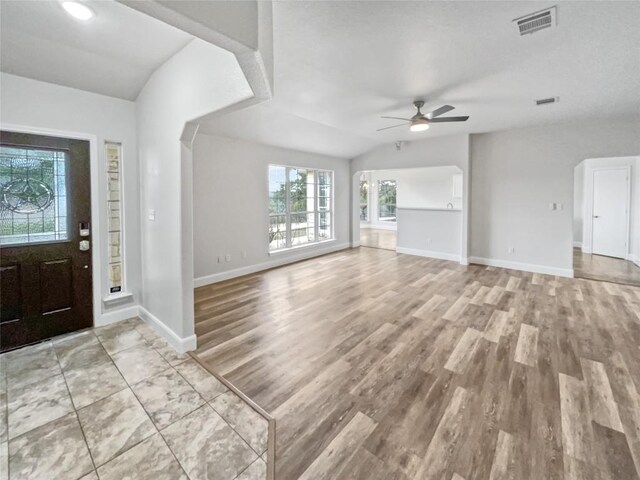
[300, 206]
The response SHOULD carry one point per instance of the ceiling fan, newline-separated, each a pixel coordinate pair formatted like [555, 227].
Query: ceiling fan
[420, 122]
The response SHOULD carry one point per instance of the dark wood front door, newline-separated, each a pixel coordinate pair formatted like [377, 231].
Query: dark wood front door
[45, 228]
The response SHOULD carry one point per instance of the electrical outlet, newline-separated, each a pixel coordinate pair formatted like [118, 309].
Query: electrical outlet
[220, 258]
[227, 257]
[429, 241]
[512, 250]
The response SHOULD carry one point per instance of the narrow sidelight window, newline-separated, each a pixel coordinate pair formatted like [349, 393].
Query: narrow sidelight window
[114, 217]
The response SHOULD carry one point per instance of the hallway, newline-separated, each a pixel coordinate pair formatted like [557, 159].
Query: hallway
[607, 269]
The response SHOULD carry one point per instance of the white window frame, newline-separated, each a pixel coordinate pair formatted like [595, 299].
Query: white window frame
[316, 212]
[368, 202]
[378, 184]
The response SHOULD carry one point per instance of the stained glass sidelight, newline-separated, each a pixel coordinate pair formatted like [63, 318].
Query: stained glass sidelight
[33, 195]
[114, 216]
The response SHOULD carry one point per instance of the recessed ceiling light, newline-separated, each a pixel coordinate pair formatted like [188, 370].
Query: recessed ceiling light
[78, 10]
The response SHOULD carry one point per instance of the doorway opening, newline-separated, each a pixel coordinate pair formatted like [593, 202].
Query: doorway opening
[606, 228]
[416, 211]
[378, 220]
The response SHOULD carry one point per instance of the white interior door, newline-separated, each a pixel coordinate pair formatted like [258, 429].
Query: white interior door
[610, 217]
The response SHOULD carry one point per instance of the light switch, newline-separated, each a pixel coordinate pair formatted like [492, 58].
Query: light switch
[152, 214]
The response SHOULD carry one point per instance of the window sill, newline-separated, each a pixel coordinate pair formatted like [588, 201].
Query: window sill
[119, 297]
[301, 247]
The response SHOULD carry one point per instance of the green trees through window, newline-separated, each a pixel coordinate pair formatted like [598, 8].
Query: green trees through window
[300, 206]
[387, 200]
[364, 201]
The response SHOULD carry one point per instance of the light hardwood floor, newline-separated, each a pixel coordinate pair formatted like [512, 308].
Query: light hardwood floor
[599, 267]
[380, 366]
[378, 238]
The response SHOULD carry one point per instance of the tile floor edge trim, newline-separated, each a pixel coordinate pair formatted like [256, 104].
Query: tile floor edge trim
[181, 344]
[524, 267]
[271, 431]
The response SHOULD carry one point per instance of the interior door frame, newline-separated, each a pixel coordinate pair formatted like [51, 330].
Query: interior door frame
[96, 217]
[627, 169]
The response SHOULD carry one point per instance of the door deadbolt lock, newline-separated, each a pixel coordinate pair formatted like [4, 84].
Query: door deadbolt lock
[84, 245]
[84, 229]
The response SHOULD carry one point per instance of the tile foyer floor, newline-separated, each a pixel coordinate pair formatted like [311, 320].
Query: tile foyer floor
[118, 402]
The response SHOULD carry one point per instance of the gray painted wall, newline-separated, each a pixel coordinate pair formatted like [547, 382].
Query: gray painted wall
[231, 207]
[516, 174]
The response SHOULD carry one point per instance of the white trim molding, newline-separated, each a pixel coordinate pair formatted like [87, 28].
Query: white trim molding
[525, 267]
[454, 257]
[182, 345]
[635, 259]
[577, 245]
[258, 267]
[381, 226]
[116, 316]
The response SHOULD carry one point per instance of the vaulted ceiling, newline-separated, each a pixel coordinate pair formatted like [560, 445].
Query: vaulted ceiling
[114, 53]
[339, 66]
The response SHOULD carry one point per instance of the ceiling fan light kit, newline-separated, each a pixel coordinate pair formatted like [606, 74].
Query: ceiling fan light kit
[420, 122]
[419, 125]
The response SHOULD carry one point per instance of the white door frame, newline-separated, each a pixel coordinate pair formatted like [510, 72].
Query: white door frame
[627, 169]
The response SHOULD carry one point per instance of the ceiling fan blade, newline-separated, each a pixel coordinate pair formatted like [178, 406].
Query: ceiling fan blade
[439, 111]
[393, 126]
[398, 118]
[448, 119]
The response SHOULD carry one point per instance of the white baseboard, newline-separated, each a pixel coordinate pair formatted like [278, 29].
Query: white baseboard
[427, 253]
[182, 345]
[283, 259]
[464, 261]
[116, 316]
[634, 258]
[577, 244]
[526, 267]
[380, 226]
[355, 244]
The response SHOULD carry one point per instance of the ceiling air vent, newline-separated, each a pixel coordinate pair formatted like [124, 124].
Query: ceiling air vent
[546, 101]
[536, 21]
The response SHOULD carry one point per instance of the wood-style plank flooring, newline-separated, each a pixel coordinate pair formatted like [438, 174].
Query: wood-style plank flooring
[599, 267]
[379, 366]
[378, 238]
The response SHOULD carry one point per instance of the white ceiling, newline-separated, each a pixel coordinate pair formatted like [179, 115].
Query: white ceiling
[339, 66]
[114, 54]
